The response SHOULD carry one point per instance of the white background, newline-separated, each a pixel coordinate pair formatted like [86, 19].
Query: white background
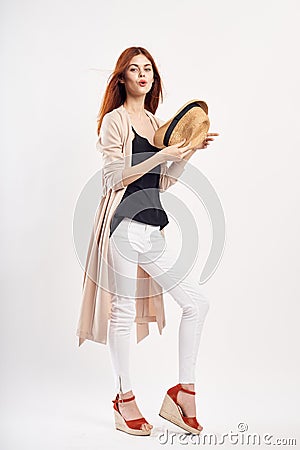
[241, 57]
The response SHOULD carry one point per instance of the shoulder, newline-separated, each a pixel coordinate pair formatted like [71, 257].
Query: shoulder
[113, 116]
[113, 120]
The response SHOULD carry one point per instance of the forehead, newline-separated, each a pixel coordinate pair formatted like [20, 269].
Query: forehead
[139, 60]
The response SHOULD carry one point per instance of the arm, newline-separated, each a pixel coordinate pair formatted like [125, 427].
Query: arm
[169, 175]
[115, 175]
[110, 146]
[130, 174]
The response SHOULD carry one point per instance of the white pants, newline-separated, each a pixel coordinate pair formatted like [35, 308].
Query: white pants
[134, 242]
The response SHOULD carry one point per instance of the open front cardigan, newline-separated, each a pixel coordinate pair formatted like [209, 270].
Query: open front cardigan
[115, 145]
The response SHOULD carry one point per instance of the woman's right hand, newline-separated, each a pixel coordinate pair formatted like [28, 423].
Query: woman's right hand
[174, 153]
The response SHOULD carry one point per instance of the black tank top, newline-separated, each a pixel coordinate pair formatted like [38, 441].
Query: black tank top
[142, 195]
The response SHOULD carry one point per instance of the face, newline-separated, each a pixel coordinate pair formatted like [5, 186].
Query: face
[139, 69]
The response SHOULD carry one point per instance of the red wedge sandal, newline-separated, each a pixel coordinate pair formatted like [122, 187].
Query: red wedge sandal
[129, 426]
[170, 410]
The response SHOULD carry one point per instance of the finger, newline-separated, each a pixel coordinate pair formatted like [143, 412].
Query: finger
[212, 134]
[180, 143]
[187, 152]
[185, 147]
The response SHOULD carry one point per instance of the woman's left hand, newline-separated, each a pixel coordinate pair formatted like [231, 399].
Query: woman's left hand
[206, 142]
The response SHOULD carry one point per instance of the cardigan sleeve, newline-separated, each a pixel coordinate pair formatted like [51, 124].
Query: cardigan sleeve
[169, 175]
[110, 146]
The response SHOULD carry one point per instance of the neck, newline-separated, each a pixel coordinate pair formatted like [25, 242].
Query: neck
[135, 106]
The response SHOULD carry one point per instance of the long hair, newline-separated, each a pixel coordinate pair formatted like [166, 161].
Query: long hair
[115, 93]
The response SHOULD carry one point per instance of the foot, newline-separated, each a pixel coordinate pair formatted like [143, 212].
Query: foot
[130, 410]
[187, 401]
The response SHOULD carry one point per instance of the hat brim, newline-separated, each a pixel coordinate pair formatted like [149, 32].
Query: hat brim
[187, 123]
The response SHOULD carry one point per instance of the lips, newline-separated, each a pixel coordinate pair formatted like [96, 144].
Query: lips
[142, 83]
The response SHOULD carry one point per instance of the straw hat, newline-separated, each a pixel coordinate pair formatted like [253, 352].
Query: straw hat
[190, 122]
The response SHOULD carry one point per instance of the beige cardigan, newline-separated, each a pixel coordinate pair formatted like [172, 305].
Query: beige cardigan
[115, 145]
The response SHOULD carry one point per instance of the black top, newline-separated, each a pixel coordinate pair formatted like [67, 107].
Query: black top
[141, 200]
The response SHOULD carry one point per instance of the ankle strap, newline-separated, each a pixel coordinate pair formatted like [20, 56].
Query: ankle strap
[186, 390]
[121, 400]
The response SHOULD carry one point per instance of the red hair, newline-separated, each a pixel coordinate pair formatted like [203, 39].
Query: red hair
[115, 93]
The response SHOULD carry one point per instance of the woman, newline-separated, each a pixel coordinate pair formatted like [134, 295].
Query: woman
[136, 241]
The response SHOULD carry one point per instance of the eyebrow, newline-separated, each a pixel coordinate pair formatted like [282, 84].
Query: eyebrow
[148, 64]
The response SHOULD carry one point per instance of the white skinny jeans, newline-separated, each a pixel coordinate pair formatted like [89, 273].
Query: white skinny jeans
[134, 242]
